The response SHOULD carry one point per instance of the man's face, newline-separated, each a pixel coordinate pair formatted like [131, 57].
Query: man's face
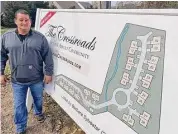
[23, 22]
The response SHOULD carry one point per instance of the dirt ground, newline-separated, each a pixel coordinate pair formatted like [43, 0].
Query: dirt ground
[57, 121]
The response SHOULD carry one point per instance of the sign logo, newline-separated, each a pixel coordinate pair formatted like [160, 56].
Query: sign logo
[59, 33]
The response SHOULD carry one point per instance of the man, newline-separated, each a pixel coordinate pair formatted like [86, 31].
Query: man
[26, 50]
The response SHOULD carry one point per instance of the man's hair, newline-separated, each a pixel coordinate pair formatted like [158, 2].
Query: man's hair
[22, 11]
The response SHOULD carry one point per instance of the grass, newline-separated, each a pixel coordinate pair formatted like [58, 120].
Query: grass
[3, 30]
[7, 71]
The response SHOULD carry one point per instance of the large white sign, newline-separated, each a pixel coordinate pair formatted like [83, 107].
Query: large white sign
[114, 71]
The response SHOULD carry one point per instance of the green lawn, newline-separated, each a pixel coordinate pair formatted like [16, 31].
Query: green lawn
[3, 30]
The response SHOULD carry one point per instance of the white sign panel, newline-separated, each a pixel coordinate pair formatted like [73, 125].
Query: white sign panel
[114, 72]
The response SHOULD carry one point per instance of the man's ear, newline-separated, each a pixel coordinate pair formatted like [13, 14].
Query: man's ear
[31, 20]
[15, 21]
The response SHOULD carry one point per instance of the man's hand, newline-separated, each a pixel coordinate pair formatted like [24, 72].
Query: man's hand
[47, 79]
[3, 80]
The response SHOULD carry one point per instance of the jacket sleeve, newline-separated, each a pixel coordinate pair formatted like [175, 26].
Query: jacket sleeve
[4, 56]
[47, 58]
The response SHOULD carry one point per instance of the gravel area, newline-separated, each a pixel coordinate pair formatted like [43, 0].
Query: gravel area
[57, 121]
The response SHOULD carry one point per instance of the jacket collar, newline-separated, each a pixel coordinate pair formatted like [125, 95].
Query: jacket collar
[28, 34]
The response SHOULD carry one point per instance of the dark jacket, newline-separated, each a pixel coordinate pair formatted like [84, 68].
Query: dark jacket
[26, 56]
